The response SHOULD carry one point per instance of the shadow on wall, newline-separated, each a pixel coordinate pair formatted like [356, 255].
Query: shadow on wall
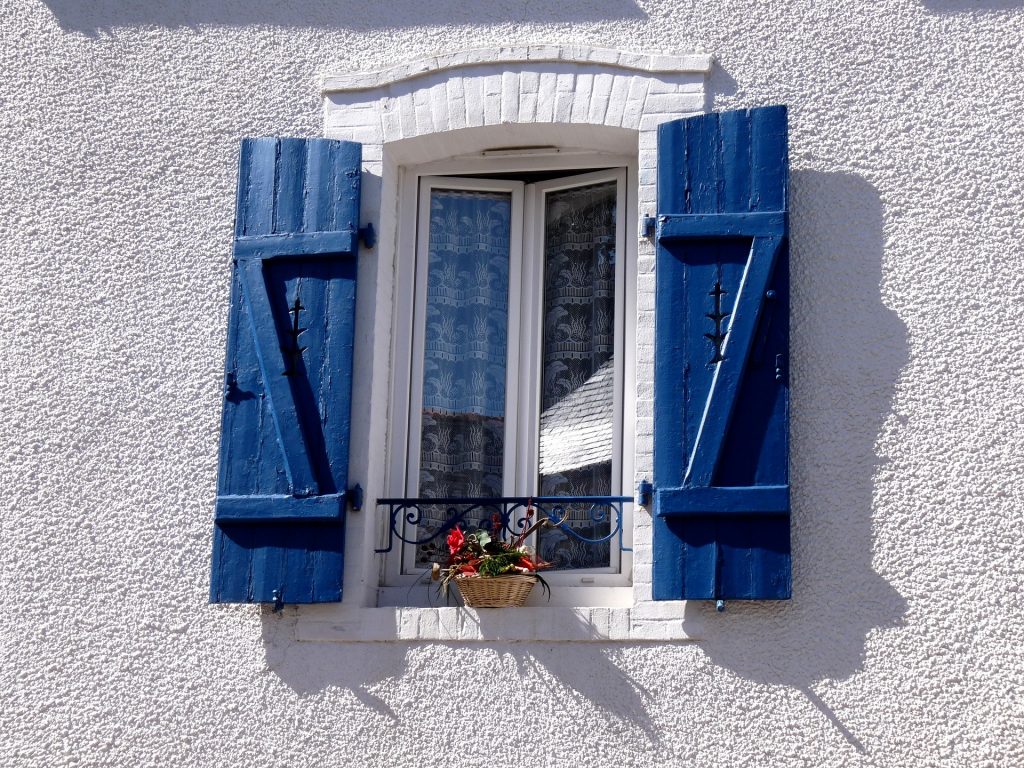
[94, 16]
[493, 691]
[965, 6]
[849, 349]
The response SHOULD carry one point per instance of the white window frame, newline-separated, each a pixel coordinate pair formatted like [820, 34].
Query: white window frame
[609, 587]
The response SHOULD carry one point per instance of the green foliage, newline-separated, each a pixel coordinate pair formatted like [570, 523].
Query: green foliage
[497, 564]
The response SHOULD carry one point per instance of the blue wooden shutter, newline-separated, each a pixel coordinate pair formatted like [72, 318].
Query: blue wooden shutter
[721, 426]
[279, 531]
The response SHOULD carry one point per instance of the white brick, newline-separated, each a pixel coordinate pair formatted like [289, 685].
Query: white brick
[408, 624]
[650, 630]
[563, 102]
[618, 625]
[407, 114]
[645, 284]
[581, 100]
[662, 84]
[617, 100]
[391, 124]
[527, 107]
[341, 134]
[492, 99]
[510, 97]
[346, 117]
[367, 134]
[456, 103]
[424, 121]
[473, 88]
[438, 97]
[634, 107]
[599, 99]
[634, 60]
[659, 611]
[448, 621]
[529, 82]
[603, 56]
[546, 97]
[650, 122]
[599, 621]
[673, 103]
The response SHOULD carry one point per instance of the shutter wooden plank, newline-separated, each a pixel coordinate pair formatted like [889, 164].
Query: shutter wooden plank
[673, 172]
[769, 159]
[257, 509]
[704, 163]
[289, 186]
[735, 127]
[255, 215]
[277, 540]
[678, 226]
[724, 500]
[295, 245]
[721, 528]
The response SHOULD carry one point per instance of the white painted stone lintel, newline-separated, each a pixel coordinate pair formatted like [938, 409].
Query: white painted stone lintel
[690, 63]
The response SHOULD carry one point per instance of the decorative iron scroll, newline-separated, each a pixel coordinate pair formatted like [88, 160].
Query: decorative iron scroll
[513, 513]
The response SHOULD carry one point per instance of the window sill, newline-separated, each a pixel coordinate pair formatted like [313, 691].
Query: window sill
[643, 622]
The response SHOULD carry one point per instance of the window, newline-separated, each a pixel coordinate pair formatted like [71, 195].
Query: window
[305, 362]
[515, 361]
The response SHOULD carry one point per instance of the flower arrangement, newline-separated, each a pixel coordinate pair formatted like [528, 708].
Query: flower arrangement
[479, 556]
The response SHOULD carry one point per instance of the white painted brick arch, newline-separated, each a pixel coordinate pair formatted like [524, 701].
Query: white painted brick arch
[540, 84]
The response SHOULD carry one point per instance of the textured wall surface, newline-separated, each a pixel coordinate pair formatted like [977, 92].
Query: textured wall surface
[902, 644]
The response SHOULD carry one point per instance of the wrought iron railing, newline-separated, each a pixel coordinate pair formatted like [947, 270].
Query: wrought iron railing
[511, 515]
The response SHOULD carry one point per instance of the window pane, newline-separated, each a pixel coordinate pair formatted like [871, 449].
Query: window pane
[577, 421]
[462, 432]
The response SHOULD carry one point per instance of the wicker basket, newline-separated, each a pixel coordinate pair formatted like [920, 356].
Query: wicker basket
[508, 591]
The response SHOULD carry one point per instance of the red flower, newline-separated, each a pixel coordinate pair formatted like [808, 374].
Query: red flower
[455, 539]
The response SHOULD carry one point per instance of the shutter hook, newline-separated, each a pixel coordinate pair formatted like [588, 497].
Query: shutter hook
[720, 605]
[647, 226]
[367, 235]
[354, 497]
[278, 601]
[644, 492]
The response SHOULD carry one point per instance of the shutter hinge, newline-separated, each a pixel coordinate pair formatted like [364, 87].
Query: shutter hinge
[354, 495]
[779, 372]
[368, 236]
[647, 226]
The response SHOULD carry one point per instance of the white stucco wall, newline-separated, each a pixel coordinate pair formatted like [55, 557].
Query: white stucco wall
[901, 645]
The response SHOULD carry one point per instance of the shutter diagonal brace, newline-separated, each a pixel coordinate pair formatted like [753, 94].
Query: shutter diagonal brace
[279, 392]
[735, 350]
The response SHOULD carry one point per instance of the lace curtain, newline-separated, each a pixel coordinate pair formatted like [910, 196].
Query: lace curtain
[463, 418]
[465, 346]
[577, 422]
